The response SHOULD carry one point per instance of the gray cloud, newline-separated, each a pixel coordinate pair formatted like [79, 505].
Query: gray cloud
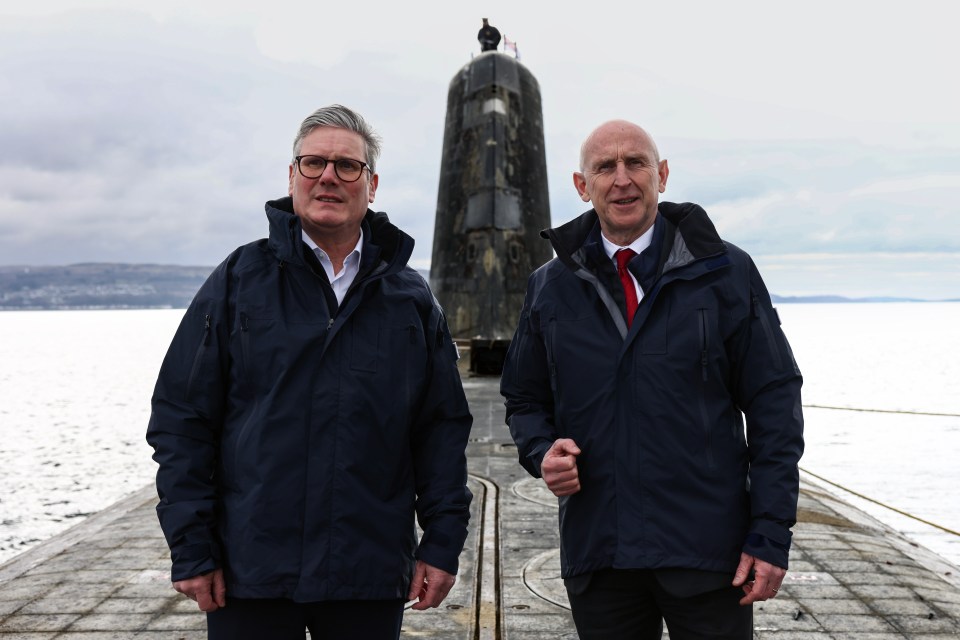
[824, 196]
[125, 138]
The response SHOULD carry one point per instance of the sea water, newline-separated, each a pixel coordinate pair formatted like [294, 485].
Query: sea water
[75, 392]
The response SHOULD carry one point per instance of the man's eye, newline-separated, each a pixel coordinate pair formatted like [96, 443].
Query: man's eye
[605, 168]
[348, 165]
[315, 162]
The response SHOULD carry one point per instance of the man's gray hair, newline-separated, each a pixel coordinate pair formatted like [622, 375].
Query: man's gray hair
[340, 117]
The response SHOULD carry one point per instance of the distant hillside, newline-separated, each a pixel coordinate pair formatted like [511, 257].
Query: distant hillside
[814, 299]
[151, 286]
[99, 286]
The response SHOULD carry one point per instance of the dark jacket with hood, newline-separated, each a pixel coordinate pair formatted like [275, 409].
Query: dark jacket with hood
[669, 479]
[297, 438]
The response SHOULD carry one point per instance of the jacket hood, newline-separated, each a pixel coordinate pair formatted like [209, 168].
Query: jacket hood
[689, 234]
[287, 244]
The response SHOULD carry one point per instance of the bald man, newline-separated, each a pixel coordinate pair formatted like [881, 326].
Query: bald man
[650, 386]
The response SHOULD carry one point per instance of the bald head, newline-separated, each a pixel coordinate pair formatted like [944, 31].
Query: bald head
[616, 129]
[622, 175]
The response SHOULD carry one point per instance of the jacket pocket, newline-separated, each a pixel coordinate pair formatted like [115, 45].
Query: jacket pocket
[245, 339]
[265, 346]
[653, 336]
[365, 347]
[550, 338]
[198, 355]
[703, 322]
[758, 313]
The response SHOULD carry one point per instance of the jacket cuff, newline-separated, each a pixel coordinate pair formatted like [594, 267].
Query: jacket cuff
[769, 542]
[536, 458]
[193, 560]
[435, 553]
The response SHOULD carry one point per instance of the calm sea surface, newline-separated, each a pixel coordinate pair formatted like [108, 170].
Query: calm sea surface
[75, 391]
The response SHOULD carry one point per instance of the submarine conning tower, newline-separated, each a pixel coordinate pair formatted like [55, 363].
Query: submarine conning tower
[491, 204]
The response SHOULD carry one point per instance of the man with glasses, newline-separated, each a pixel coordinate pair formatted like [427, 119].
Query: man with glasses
[308, 408]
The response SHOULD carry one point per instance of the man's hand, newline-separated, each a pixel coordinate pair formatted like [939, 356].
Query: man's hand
[559, 468]
[766, 581]
[208, 590]
[429, 586]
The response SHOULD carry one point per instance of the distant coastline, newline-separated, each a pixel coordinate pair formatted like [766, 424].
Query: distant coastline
[835, 299]
[99, 286]
[150, 286]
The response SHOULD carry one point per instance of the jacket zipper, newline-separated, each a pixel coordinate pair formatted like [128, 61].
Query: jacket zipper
[551, 357]
[703, 343]
[245, 338]
[704, 360]
[198, 357]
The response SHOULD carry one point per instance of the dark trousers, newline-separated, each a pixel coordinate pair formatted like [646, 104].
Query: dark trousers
[633, 605]
[287, 620]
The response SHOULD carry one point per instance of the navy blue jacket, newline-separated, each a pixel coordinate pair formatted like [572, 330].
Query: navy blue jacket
[297, 438]
[669, 478]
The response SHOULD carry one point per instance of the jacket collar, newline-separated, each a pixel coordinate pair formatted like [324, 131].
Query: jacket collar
[381, 238]
[688, 235]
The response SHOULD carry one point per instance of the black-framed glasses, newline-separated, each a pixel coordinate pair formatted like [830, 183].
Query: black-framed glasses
[347, 169]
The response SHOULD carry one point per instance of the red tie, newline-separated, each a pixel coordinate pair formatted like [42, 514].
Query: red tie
[629, 289]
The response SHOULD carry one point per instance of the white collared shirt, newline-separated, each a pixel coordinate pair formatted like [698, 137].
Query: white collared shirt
[351, 266]
[637, 245]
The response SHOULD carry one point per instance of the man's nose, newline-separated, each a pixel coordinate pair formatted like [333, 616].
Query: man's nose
[329, 173]
[620, 174]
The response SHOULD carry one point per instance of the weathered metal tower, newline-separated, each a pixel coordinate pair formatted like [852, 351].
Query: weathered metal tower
[491, 205]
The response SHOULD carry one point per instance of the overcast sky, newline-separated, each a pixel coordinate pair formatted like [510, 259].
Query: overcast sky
[822, 137]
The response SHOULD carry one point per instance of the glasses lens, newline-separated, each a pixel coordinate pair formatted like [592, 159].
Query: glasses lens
[348, 170]
[312, 166]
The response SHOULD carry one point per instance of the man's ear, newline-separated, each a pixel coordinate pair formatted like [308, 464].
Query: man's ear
[580, 182]
[664, 172]
[374, 181]
[293, 172]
